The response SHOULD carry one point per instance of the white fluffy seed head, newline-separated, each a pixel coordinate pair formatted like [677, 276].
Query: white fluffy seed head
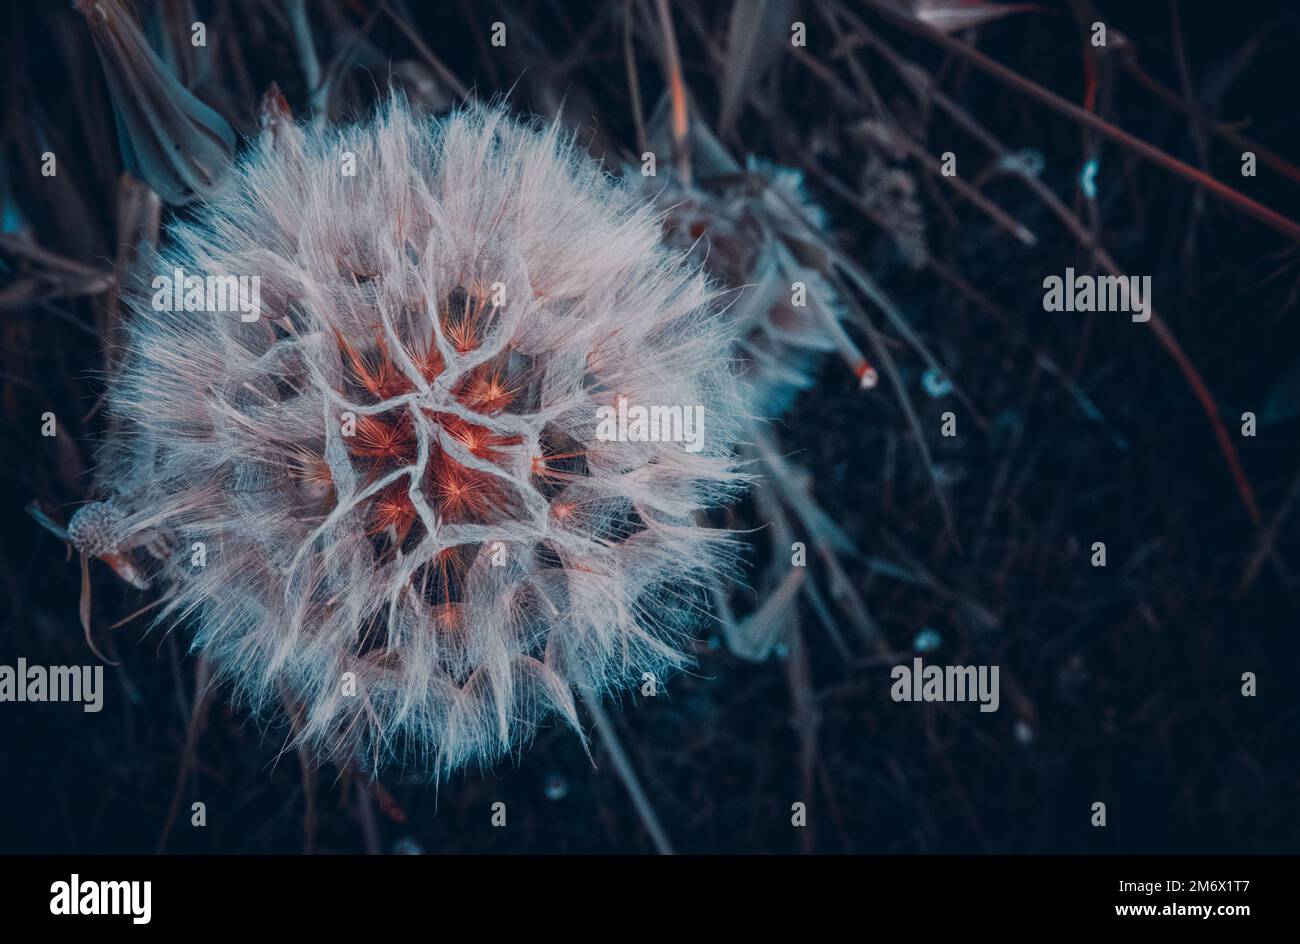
[411, 530]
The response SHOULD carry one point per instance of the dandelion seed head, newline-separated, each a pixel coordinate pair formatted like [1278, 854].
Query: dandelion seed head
[94, 527]
[394, 469]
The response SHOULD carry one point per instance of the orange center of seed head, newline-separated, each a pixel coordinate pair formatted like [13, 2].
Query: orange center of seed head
[464, 318]
[386, 441]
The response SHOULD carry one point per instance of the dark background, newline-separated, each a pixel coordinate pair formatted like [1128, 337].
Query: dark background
[1119, 684]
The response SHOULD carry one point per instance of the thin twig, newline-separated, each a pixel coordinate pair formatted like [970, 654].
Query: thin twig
[307, 57]
[608, 737]
[677, 89]
[1224, 130]
[1268, 539]
[198, 721]
[457, 86]
[633, 85]
[366, 815]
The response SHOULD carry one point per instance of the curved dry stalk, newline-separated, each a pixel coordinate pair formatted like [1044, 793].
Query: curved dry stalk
[626, 773]
[677, 88]
[1220, 128]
